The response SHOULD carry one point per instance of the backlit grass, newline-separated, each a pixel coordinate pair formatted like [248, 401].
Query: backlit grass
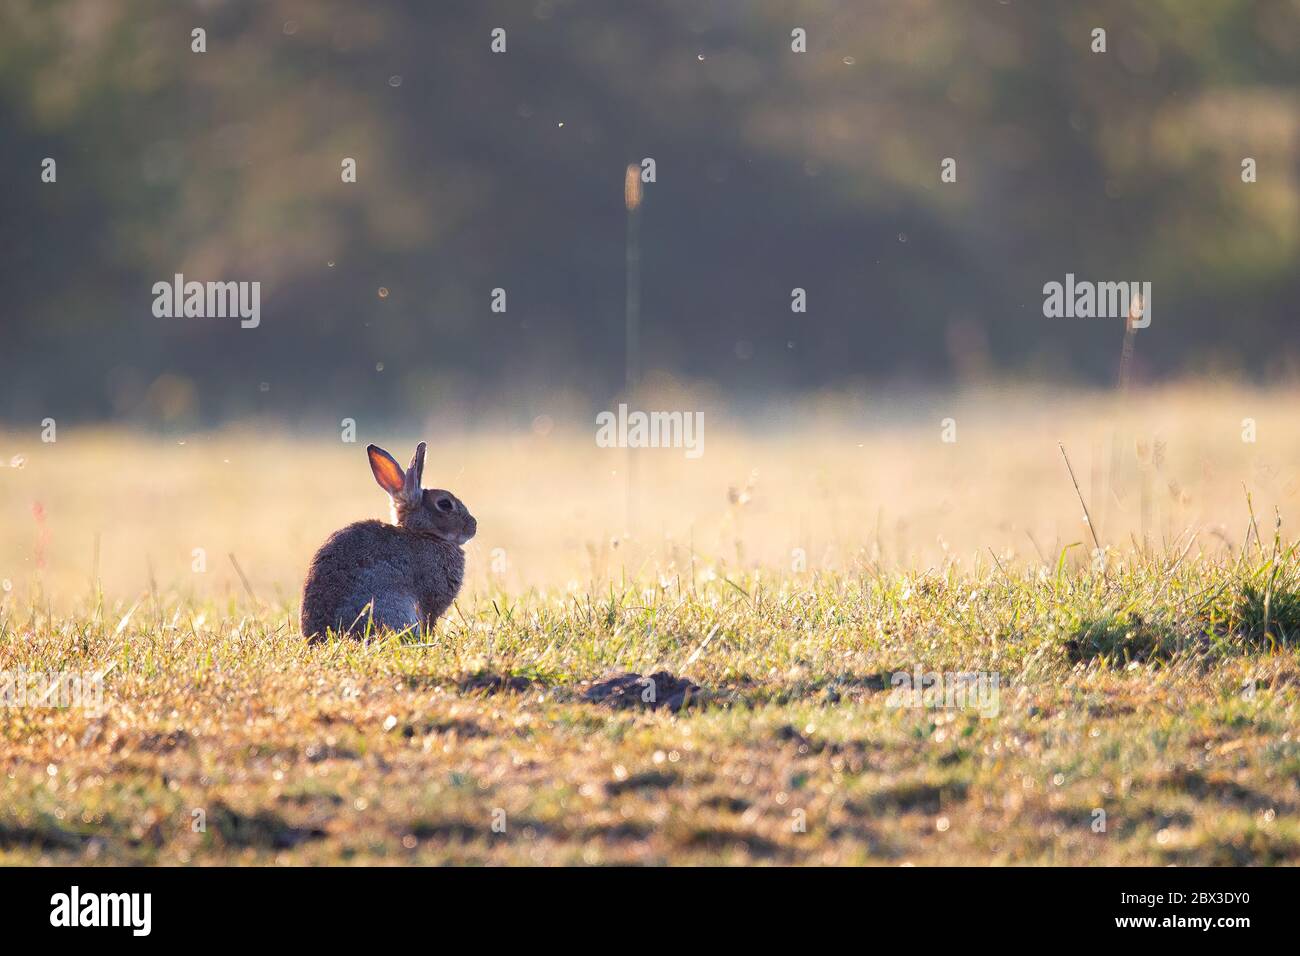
[1179, 730]
[1146, 705]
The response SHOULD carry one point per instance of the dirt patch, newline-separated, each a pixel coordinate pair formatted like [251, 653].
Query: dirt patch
[1110, 709]
[45, 836]
[853, 752]
[449, 728]
[319, 752]
[1223, 789]
[857, 682]
[787, 733]
[1083, 819]
[305, 798]
[264, 829]
[621, 832]
[726, 803]
[660, 690]
[460, 830]
[914, 798]
[156, 743]
[719, 840]
[490, 682]
[650, 780]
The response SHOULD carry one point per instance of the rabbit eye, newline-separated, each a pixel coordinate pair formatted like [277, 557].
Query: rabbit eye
[443, 504]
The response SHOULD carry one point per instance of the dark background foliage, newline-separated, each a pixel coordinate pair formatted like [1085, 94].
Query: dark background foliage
[774, 170]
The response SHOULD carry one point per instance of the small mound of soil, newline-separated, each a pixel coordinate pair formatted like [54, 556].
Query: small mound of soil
[653, 692]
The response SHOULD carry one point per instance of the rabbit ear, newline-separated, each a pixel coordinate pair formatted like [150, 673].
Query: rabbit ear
[415, 474]
[387, 471]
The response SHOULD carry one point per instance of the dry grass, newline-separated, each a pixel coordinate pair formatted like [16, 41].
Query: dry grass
[1158, 684]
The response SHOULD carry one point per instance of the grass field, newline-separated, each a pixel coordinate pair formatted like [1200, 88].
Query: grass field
[765, 597]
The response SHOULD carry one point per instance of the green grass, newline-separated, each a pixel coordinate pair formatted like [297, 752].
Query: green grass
[1162, 692]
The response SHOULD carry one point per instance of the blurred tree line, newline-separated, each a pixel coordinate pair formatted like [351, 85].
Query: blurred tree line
[774, 170]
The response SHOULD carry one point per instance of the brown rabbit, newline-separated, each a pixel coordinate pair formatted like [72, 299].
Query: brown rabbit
[401, 575]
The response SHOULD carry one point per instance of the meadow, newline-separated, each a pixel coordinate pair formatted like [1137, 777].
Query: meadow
[659, 659]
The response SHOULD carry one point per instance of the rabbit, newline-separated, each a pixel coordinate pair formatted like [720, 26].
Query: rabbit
[402, 575]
